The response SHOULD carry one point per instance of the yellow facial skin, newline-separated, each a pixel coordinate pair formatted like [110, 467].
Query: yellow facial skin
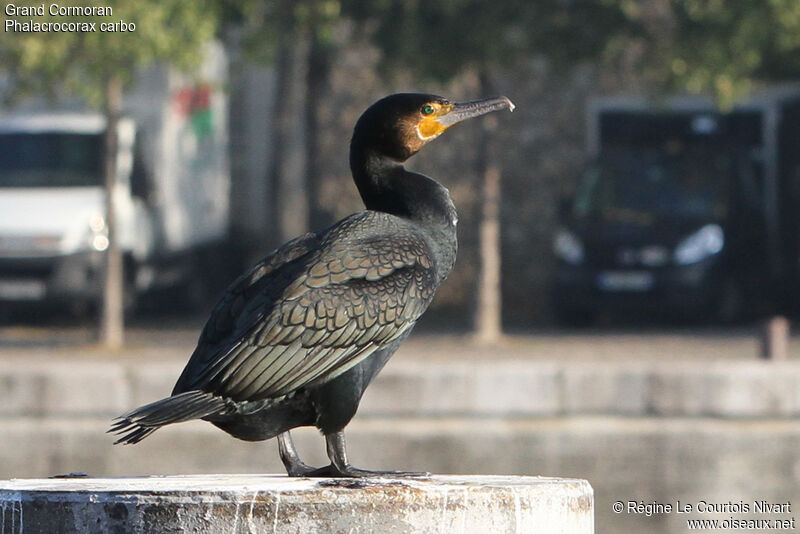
[429, 127]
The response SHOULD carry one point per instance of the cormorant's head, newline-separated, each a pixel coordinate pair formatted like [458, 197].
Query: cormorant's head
[399, 125]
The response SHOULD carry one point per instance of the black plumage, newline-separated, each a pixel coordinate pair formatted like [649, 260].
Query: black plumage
[296, 340]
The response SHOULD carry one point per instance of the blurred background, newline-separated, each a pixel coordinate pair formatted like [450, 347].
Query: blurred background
[629, 237]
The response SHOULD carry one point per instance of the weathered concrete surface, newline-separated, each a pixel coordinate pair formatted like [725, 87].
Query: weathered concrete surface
[278, 504]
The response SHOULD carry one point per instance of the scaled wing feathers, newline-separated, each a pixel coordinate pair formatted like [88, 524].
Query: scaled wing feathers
[328, 305]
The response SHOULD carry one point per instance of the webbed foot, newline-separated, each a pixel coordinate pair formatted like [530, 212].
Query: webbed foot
[340, 467]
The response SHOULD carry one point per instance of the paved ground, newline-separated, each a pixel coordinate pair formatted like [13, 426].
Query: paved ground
[164, 337]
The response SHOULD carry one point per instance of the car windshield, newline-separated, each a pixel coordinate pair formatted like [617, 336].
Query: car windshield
[641, 185]
[50, 160]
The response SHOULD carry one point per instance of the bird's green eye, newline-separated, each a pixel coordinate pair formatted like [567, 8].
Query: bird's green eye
[427, 109]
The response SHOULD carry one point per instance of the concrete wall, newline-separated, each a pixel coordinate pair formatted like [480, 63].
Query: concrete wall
[688, 431]
[703, 388]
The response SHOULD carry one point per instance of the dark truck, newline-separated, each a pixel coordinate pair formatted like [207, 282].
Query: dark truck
[684, 211]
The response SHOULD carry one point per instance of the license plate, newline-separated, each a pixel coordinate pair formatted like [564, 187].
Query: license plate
[625, 281]
[22, 290]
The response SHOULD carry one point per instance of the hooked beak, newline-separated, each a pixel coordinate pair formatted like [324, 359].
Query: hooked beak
[467, 110]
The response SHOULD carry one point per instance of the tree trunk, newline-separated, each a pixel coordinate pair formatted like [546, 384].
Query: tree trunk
[112, 321]
[317, 76]
[289, 197]
[281, 126]
[488, 311]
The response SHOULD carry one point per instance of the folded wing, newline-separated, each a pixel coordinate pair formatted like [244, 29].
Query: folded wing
[326, 305]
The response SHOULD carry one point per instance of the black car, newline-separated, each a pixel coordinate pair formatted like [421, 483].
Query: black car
[665, 221]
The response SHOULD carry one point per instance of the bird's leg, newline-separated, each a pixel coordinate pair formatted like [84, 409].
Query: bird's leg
[291, 460]
[341, 467]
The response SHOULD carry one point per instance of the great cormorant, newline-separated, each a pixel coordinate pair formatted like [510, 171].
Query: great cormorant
[296, 340]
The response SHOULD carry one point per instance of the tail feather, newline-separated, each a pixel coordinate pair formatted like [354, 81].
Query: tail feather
[134, 426]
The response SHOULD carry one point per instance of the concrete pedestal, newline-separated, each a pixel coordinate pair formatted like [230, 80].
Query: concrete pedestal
[278, 504]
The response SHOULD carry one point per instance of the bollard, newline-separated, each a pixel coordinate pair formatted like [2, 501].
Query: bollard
[775, 339]
[279, 504]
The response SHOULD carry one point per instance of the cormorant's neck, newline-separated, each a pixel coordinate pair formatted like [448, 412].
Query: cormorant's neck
[385, 185]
